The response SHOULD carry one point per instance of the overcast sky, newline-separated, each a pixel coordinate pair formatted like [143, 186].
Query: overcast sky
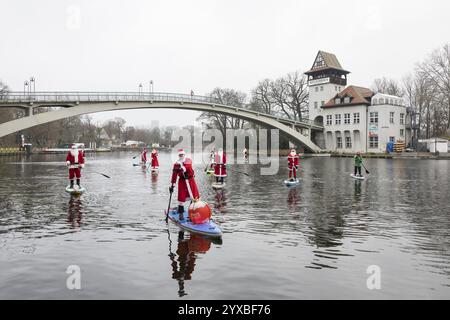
[182, 45]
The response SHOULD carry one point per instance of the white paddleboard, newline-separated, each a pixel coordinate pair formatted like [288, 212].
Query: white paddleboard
[291, 183]
[218, 185]
[357, 177]
[75, 190]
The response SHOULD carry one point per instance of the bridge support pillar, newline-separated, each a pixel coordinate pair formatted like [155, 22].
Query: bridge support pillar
[28, 111]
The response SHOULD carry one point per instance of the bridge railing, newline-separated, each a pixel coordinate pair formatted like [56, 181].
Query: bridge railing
[86, 96]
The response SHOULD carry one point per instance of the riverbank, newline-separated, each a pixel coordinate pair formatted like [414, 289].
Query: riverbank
[402, 155]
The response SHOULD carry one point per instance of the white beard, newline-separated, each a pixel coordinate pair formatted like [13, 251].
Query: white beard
[74, 153]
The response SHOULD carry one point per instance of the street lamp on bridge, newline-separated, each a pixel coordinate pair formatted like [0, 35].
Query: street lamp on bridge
[25, 87]
[140, 88]
[33, 84]
[150, 87]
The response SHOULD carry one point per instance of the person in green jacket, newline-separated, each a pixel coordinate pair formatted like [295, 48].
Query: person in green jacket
[358, 163]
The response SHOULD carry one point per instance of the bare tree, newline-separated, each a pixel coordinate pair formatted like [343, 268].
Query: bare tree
[229, 97]
[388, 86]
[436, 69]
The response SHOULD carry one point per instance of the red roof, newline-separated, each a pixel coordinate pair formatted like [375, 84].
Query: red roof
[357, 95]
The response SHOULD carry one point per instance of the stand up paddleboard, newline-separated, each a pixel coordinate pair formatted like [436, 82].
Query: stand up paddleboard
[75, 190]
[357, 177]
[209, 228]
[290, 183]
[218, 185]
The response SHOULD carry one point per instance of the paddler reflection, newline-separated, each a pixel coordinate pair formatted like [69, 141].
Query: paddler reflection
[220, 202]
[293, 200]
[75, 211]
[184, 261]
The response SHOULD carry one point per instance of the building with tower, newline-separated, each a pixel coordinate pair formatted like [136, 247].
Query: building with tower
[354, 118]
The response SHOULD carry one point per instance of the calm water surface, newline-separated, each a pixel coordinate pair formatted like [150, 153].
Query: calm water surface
[313, 241]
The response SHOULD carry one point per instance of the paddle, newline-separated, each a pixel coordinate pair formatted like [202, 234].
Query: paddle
[170, 200]
[367, 171]
[136, 156]
[106, 176]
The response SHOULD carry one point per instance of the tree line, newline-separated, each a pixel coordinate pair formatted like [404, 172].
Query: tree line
[426, 91]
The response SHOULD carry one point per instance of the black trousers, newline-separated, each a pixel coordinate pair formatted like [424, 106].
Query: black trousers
[357, 169]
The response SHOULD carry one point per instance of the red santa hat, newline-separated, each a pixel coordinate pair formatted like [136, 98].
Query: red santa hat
[181, 152]
[293, 151]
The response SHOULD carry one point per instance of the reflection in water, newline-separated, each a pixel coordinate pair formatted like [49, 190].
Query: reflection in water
[154, 182]
[357, 190]
[187, 250]
[75, 211]
[220, 200]
[293, 200]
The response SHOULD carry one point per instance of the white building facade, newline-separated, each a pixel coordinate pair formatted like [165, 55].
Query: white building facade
[354, 118]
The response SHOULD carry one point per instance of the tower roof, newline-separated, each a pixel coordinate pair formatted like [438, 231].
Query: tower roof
[324, 61]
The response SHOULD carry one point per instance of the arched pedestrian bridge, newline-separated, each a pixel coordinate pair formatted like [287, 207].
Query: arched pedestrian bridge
[78, 103]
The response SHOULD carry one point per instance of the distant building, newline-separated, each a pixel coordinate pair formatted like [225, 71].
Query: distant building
[133, 144]
[354, 118]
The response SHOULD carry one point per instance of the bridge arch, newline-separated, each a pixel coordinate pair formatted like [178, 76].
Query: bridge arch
[83, 107]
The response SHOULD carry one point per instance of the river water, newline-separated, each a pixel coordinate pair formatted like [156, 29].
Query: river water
[314, 241]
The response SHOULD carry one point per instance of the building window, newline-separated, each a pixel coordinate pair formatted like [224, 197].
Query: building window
[374, 102]
[336, 88]
[373, 142]
[321, 88]
[322, 103]
[315, 105]
[317, 89]
[402, 118]
[338, 142]
[347, 118]
[396, 102]
[329, 120]
[391, 101]
[373, 117]
[348, 142]
[391, 139]
[381, 101]
[337, 101]
[402, 132]
[337, 118]
[356, 118]
[391, 117]
[347, 100]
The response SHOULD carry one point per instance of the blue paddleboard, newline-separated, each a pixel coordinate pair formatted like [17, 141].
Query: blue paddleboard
[209, 229]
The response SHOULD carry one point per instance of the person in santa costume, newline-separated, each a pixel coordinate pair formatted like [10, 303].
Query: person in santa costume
[144, 156]
[293, 162]
[220, 162]
[187, 188]
[75, 161]
[155, 163]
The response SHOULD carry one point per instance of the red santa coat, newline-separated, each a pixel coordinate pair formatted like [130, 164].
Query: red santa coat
[220, 160]
[179, 170]
[293, 161]
[75, 161]
[155, 163]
